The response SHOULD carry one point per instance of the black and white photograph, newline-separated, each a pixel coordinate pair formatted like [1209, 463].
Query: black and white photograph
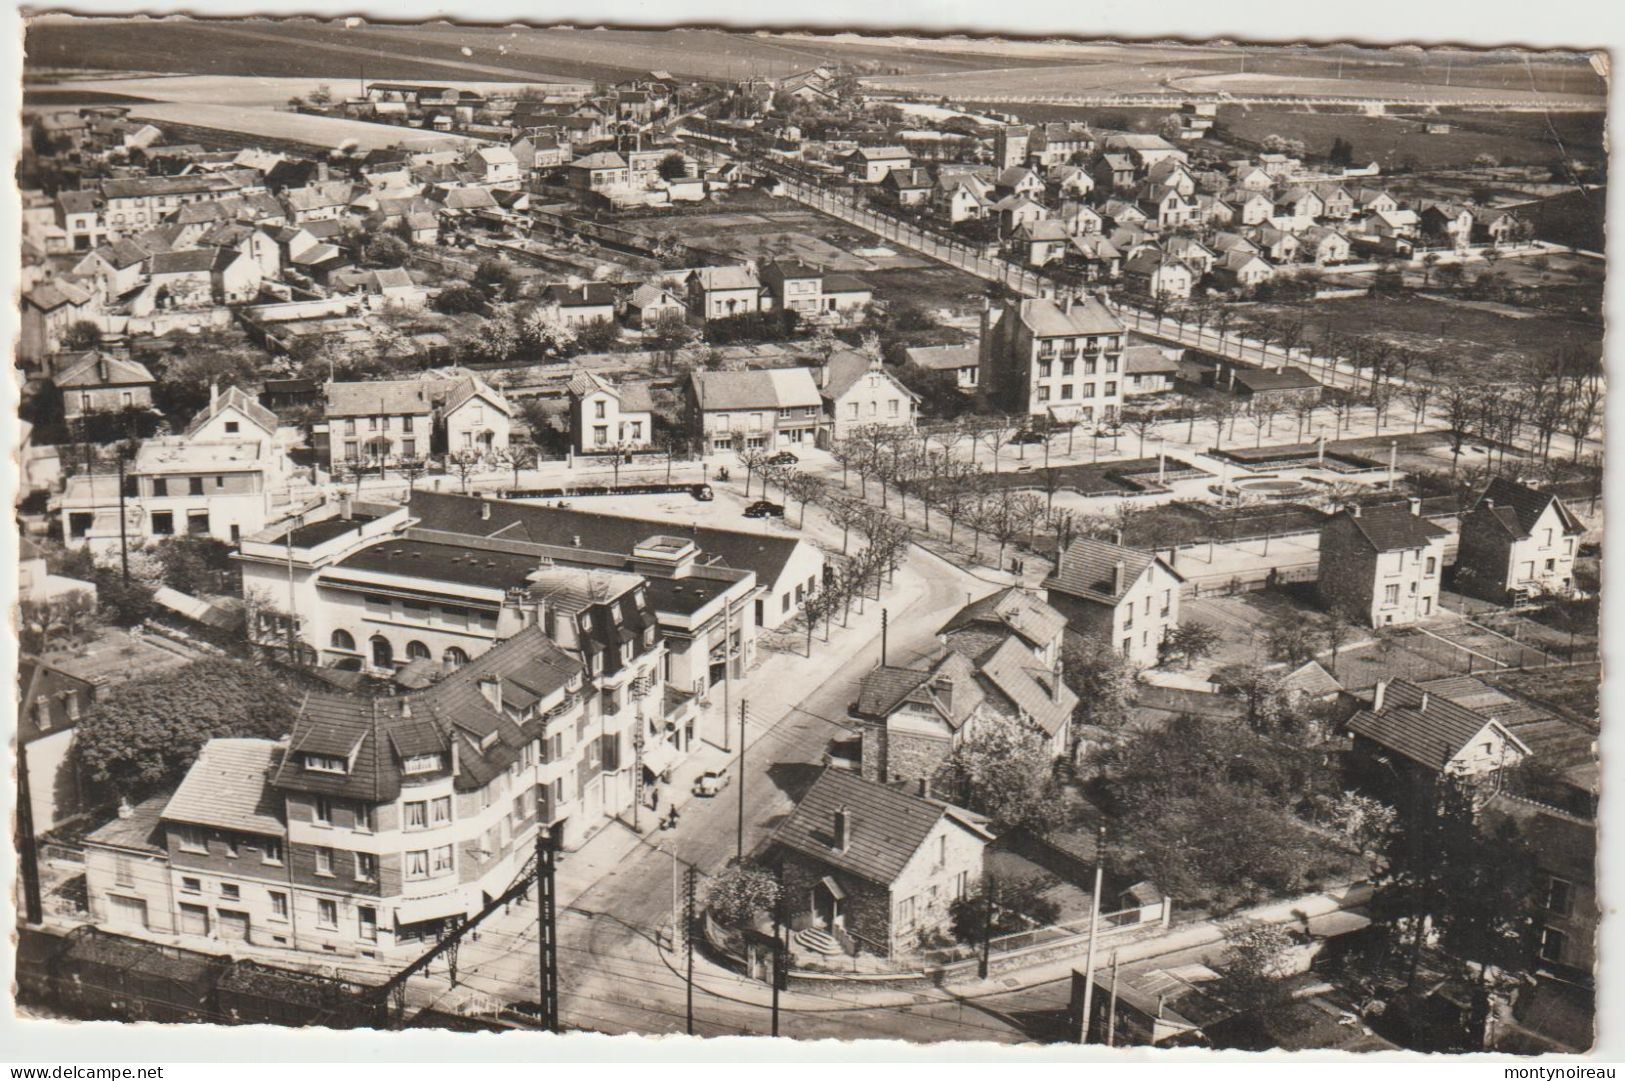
[1075, 542]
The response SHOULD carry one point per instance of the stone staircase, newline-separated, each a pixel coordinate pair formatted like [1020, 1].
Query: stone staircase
[814, 940]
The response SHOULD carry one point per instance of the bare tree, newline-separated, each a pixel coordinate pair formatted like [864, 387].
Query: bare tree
[465, 463]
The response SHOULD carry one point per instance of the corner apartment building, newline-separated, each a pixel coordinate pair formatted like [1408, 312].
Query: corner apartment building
[1061, 359]
[776, 409]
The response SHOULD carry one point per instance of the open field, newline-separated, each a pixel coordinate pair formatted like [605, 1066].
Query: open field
[1402, 141]
[1470, 341]
[786, 232]
[262, 125]
[247, 91]
[1099, 77]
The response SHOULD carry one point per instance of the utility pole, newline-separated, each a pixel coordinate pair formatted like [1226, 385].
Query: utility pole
[740, 781]
[1111, 1012]
[778, 954]
[884, 626]
[688, 940]
[727, 667]
[27, 846]
[987, 928]
[1094, 929]
[123, 536]
[547, 930]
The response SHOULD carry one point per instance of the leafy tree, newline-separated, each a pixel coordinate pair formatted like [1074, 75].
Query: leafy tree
[1103, 680]
[197, 565]
[386, 251]
[741, 891]
[80, 335]
[598, 336]
[146, 733]
[1189, 642]
[124, 604]
[670, 334]
[495, 278]
[1293, 637]
[1019, 902]
[1253, 967]
[205, 361]
[457, 298]
[672, 167]
[1004, 771]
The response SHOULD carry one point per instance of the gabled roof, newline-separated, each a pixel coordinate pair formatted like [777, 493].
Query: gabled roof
[886, 826]
[1390, 527]
[774, 388]
[395, 397]
[470, 387]
[944, 358]
[844, 370]
[1022, 612]
[1424, 727]
[586, 295]
[880, 153]
[1518, 507]
[739, 276]
[1047, 319]
[186, 261]
[1284, 378]
[87, 373]
[235, 398]
[1311, 679]
[468, 199]
[48, 296]
[1088, 568]
[606, 159]
[1147, 360]
[1036, 691]
[948, 686]
[226, 787]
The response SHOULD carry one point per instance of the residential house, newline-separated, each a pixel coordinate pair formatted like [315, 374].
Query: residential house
[1057, 143]
[908, 187]
[1250, 177]
[793, 286]
[101, 383]
[1369, 201]
[1517, 542]
[325, 201]
[609, 418]
[1323, 245]
[1042, 357]
[653, 302]
[1421, 735]
[1126, 597]
[1020, 180]
[1156, 274]
[1148, 369]
[1192, 253]
[52, 700]
[1097, 256]
[870, 164]
[847, 294]
[960, 197]
[725, 291]
[873, 867]
[1079, 219]
[1252, 208]
[910, 719]
[1115, 172]
[775, 409]
[601, 173]
[1041, 243]
[962, 362]
[1296, 209]
[1167, 207]
[389, 420]
[1276, 245]
[1495, 226]
[1446, 223]
[128, 886]
[858, 391]
[80, 215]
[1015, 211]
[1014, 641]
[1279, 166]
[1145, 149]
[577, 304]
[1381, 565]
[1337, 202]
[1215, 210]
[49, 309]
[1282, 387]
[1241, 270]
[1069, 181]
[1120, 212]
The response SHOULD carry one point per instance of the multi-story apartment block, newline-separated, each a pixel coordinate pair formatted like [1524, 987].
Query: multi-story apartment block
[1517, 541]
[1382, 564]
[1054, 358]
[1126, 597]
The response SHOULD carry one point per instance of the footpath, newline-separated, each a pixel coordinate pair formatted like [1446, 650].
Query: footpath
[714, 978]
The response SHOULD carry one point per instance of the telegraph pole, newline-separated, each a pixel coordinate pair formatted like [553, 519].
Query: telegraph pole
[1111, 1012]
[547, 930]
[987, 929]
[123, 535]
[740, 780]
[688, 940]
[1094, 929]
[727, 666]
[884, 627]
[27, 846]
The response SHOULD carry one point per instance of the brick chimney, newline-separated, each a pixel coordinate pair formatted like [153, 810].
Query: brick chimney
[843, 829]
[1416, 507]
[1378, 695]
[1354, 510]
[1423, 708]
[1119, 572]
[344, 506]
[943, 688]
[101, 368]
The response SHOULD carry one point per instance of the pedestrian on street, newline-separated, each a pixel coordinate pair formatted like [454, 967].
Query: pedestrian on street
[654, 799]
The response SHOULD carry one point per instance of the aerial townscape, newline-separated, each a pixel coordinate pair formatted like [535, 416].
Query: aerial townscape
[692, 531]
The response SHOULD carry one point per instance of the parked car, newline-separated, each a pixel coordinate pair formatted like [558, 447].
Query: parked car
[711, 782]
[702, 492]
[1026, 436]
[764, 509]
[783, 457]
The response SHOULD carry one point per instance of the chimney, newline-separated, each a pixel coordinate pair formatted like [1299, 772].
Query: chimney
[943, 688]
[1067, 302]
[406, 709]
[925, 788]
[1416, 507]
[485, 510]
[124, 808]
[1423, 708]
[1488, 503]
[1354, 509]
[344, 506]
[575, 540]
[456, 760]
[1055, 680]
[101, 367]
[214, 393]
[1118, 573]
[491, 689]
[843, 829]
[1378, 695]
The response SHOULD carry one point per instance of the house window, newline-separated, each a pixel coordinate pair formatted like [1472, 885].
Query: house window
[1552, 944]
[191, 885]
[367, 923]
[327, 914]
[1432, 565]
[442, 861]
[905, 914]
[230, 891]
[417, 815]
[231, 846]
[324, 861]
[417, 864]
[1559, 896]
[191, 839]
[366, 867]
[1526, 571]
[163, 523]
[325, 763]
[440, 810]
[421, 763]
[1390, 594]
[279, 905]
[194, 485]
[231, 427]
[160, 486]
[271, 850]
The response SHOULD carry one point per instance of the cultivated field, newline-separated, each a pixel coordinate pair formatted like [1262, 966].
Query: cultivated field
[247, 91]
[782, 233]
[1395, 141]
[268, 125]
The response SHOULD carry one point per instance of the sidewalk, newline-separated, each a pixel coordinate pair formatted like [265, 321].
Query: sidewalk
[713, 978]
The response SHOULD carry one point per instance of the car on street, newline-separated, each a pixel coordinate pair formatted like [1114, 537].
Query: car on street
[1026, 436]
[783, 457]
[711, 782]
[764, 509]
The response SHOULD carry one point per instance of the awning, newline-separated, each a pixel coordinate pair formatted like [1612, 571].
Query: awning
[833, 887]
[659, 757]
[439, 906]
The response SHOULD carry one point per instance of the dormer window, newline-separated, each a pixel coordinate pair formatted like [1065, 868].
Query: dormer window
[421, 763]
[325, 763]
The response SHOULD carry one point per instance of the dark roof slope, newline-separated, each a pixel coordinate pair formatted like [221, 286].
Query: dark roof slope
[1391, 527]
[1525, 503]
[1088, 567]
[887, 826]
[1426, 728]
